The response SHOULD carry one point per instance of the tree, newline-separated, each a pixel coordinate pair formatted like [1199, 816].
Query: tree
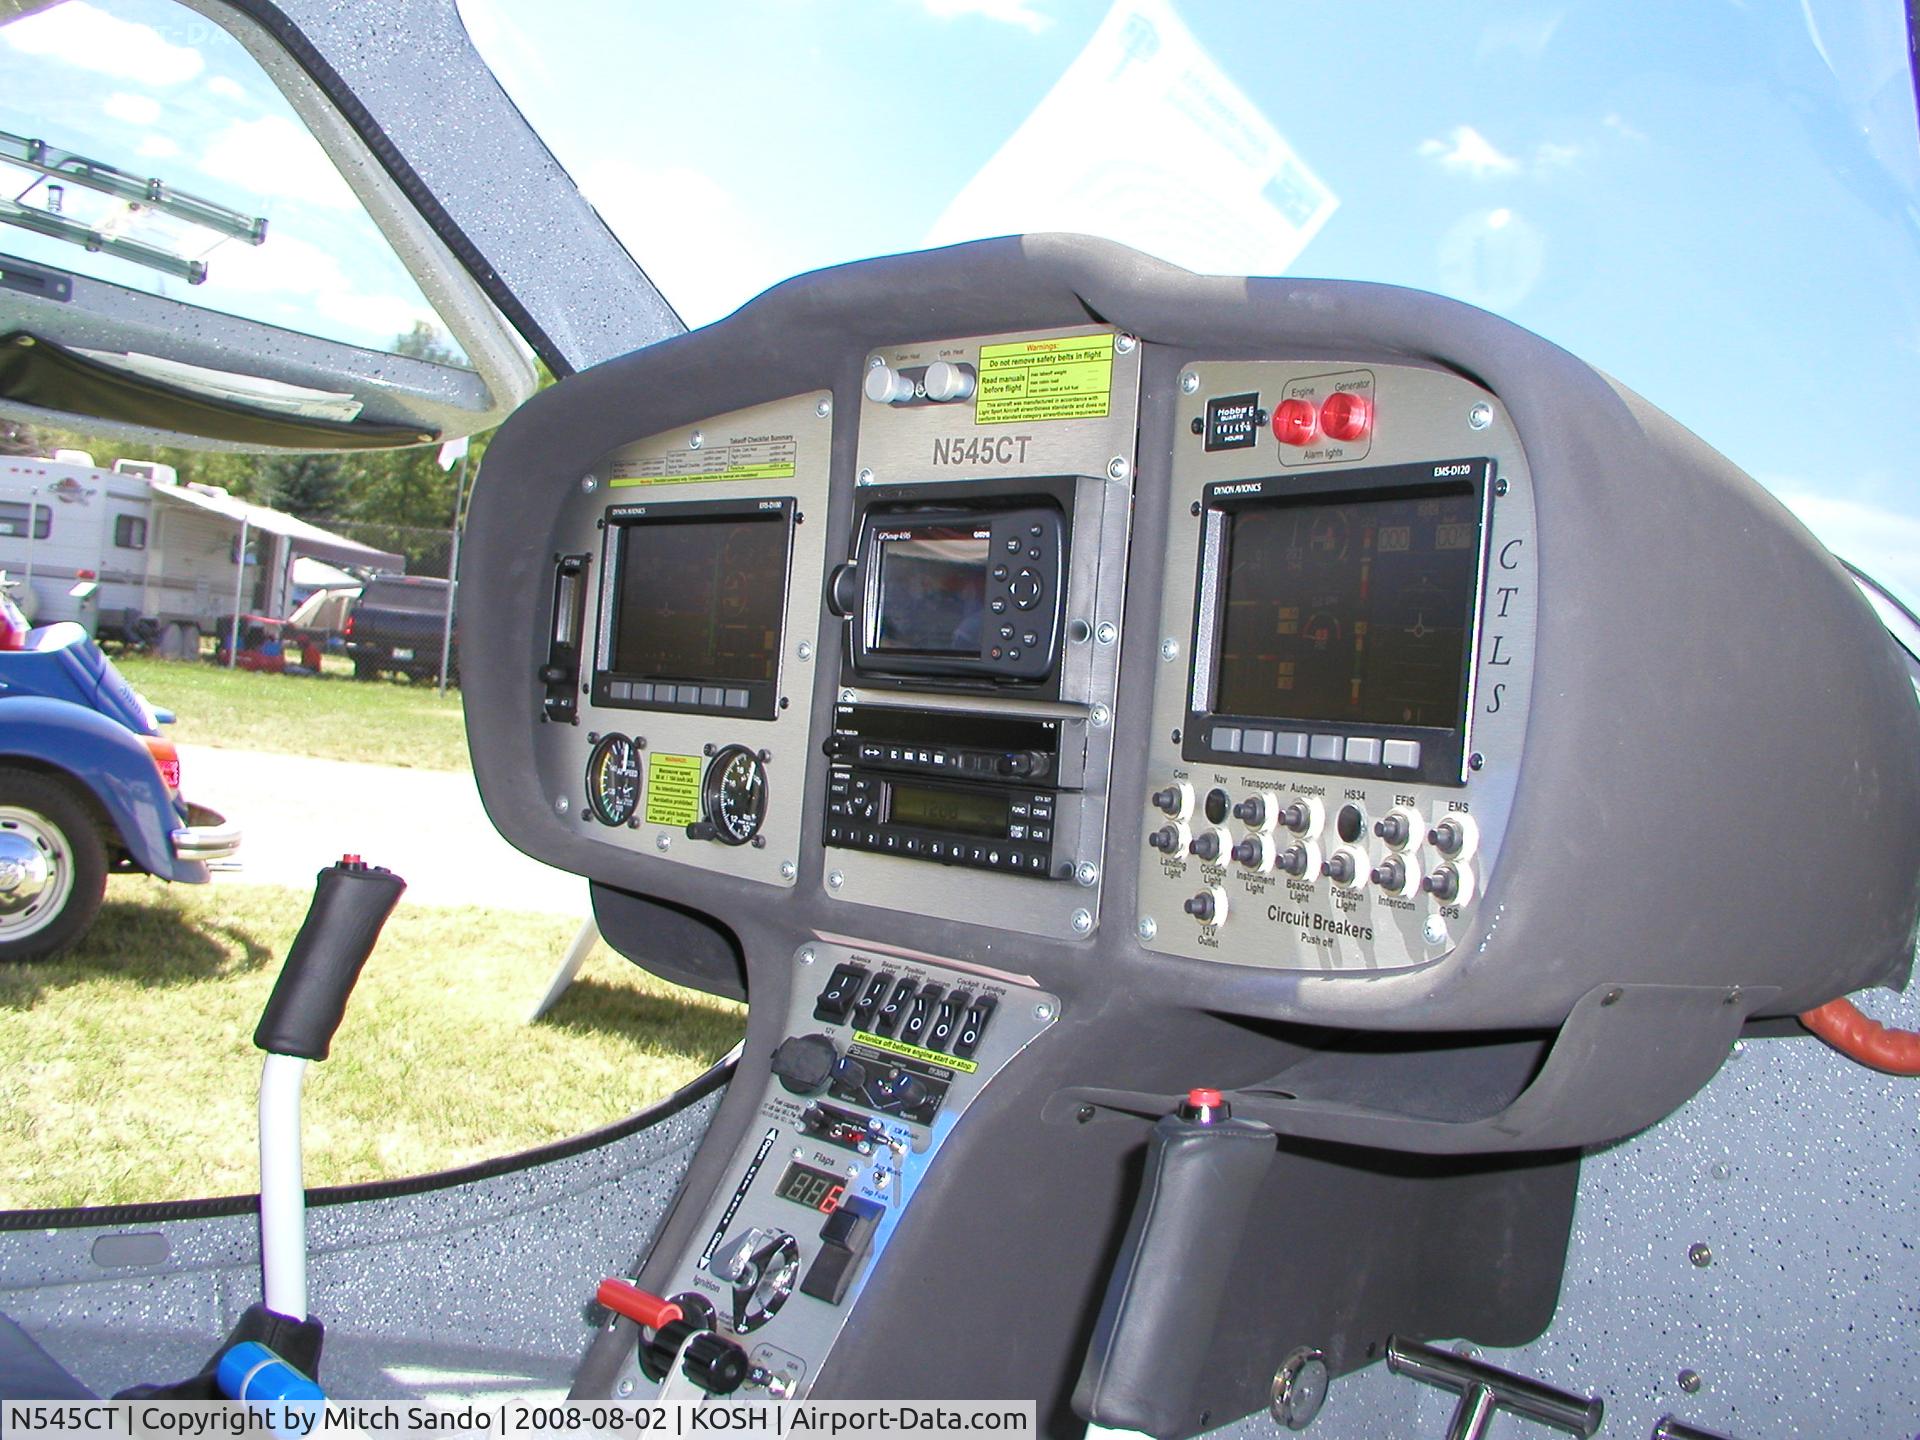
[314, 487]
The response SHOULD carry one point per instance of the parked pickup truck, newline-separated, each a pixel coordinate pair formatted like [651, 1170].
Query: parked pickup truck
[399, 624]
[88, 787]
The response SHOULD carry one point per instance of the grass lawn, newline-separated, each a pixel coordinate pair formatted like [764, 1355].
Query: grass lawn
[130, 1072]
[329, 716]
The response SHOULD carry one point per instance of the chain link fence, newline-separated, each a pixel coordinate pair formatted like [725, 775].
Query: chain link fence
[430, 553]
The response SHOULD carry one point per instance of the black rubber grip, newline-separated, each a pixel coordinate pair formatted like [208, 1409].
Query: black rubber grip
[1156, 1324]
[350, 904]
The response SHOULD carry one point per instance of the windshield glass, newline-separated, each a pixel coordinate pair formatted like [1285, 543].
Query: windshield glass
[140, 144]
[1715, 203]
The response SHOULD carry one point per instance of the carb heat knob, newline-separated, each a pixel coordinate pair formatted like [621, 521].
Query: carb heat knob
[804, 1063]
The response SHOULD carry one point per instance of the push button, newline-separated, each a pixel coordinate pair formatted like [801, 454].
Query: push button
[895, 1010]
[973, 1025]
[835, 1002]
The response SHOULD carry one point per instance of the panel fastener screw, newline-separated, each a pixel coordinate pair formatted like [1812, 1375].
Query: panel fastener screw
[804, 650]
[1147, 928]
[1118, 468]
[865, 477]
[1299, 1389]
[835, 880]
[823, 409]
[625, 1388]
[588, 484]
[562, 805]
[1101, 716]
[788, 870]
[1476, 761]
[1500, 486]
[1082, 921]
[1087, 874]
[1612, 997]
[1084, 1113]
[846, 697]
[1436, 930]
[1106, 632]
[1123, 344]
[1480, 416]
[696, 440]
[806, 955]
[874, 362]
[1699, 1255]
[1169, 649]
[1189, 382]
[1043, 1011]
[1690, 1381]
[663, 841]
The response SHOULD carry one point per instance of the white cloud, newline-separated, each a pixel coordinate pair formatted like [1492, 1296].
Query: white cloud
[304, 280]
[273, 156]
[93, 40]
[1616, 123]
[1018, 13]
[1549, 156]
[134, 109]
[1466, 151]
[225, 88]
[1884, 543]
[157, 147]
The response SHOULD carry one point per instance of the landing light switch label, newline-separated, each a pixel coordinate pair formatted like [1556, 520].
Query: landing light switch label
[1029, 380]
[673, 789]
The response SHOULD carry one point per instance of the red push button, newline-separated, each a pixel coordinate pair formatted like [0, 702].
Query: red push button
[1294, 422]
[1346, 416]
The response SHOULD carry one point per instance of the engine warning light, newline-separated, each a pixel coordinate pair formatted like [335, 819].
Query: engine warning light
[1346, 416]
[1294, 422]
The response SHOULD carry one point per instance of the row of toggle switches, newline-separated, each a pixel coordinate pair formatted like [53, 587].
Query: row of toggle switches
[928, 1015]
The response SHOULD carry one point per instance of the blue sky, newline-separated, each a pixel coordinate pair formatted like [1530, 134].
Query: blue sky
[1716, 202]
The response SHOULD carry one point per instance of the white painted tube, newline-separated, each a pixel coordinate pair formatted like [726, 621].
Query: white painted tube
[283, 1194]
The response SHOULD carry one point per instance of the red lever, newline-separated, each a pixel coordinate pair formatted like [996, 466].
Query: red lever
[636, 1304]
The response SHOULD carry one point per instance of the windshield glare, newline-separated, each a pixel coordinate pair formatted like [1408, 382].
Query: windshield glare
[1715, 203]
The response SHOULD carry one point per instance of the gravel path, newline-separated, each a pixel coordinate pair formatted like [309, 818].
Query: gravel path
[299, 814]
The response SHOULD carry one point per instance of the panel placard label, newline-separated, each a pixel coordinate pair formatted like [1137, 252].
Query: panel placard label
[753, 457]
[1059, 379]
[673, 789]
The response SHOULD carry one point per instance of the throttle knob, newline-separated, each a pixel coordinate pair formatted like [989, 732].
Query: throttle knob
[804, 1063]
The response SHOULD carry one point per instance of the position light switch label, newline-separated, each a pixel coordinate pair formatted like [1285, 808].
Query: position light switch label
[673, 789]
[1027, 380]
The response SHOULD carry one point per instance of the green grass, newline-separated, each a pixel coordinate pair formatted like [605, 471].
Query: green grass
[329, 716]
[130, 1073]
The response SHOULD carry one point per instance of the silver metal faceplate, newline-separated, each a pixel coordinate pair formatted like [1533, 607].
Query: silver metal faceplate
[1271, 919]
[797, 1331]
[902, 444]
[756, 445]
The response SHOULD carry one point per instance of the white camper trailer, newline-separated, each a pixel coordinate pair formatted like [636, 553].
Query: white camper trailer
[132, 555]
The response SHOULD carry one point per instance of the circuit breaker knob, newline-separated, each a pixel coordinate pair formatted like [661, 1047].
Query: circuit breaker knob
[1252, 811]
[1448, 837]
[1390, 874]
[1166, 840]
[1443, 884]
[1247, 852]
[804, 1063]
[1292, 860]
[1167, 800]
[1338, 867]
[1209, 907]
[1206, 845]
[1297, 818]
[1393, 828]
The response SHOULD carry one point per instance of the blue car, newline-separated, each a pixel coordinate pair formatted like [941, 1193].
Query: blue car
[88, 787]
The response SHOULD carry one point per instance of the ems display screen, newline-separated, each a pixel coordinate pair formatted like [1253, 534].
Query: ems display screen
[960, 811]
[932, 589]
[1350, 610]
[700, 597]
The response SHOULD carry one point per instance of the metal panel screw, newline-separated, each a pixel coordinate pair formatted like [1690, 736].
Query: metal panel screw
[804, 650]
[1106, 632]
[625, 1388]
[1123, 344]
[1118, 468]
[1719, 1172]
[788, 870]
[1480, 416]
[1612, 997]
[662, 841]
[1436, 930]
[865, 477]
[1169, 649]
[589, 484]
[806, 955]
[696, 440]
[1476, 761]
[1700, 1255]
[1101, 716]
[1043, 1011]
[823, 409]
[835, 880]
[1147, 928]
[846, 697]
[1500, 486]
[562, 805]
[1299, 1389]
[1087, 873]
[1690, 1381]
[874, 362]
[1189, 382]
[1082, 921]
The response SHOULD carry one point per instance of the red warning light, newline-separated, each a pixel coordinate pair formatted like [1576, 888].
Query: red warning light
[1294, 422]
[1346, 416]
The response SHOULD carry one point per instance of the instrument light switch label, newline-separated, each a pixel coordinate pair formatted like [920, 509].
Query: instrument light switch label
[1061, 379]
[673, 789]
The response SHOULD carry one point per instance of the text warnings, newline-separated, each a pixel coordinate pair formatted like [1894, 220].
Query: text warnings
[1028, 380]
[673, 789]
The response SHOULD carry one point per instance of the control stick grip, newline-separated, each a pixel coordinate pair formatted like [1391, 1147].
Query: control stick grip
[1157, 1321]
[351, 901]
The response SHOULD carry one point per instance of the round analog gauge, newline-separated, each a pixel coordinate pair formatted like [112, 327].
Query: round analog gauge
[613, 780]
[735, 795]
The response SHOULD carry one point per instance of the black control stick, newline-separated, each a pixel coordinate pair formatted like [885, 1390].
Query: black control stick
[1156, 1323]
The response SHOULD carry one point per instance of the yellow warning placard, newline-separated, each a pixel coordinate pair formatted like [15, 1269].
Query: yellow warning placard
[673, 789]
[1061, 379]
